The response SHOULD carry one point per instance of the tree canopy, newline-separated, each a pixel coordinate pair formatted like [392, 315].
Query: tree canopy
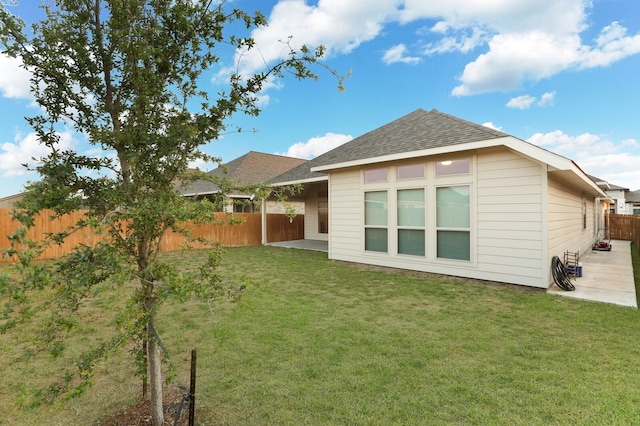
[127, 75]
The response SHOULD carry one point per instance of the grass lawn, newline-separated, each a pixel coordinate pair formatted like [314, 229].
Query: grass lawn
[325, 343]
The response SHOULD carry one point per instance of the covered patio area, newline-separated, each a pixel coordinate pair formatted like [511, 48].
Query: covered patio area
[607, 276]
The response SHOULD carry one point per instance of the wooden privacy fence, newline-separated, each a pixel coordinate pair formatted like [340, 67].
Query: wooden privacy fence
[247, 233]
[625, 227]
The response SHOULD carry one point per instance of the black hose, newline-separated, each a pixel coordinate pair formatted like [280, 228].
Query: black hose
[560, 276]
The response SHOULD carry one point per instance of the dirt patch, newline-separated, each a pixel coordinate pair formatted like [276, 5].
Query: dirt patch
[138, 414]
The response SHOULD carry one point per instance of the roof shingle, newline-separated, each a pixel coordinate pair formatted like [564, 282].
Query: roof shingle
[251, 168]
[416, 131]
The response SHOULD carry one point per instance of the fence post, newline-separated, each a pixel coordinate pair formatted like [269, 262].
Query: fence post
[192, 388]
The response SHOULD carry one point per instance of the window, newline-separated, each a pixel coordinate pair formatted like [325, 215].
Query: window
[453, 222]
[420, 211]
[375, 175]
[411, 219]
[323, 212]
[413, 171]
[375, 221]
[243, 206]
[455, 167]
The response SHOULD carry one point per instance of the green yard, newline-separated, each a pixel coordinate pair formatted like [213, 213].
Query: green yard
[324, 343]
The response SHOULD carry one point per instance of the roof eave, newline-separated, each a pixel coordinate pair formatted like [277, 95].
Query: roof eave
[509, 141]
[554, 161]
[299, 181]
[196, 194]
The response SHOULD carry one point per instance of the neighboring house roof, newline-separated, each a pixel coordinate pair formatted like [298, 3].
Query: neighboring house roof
[632, 196]
[605, 185]
[8, 202]
[253, 167]
[301, 174]
[423, 133]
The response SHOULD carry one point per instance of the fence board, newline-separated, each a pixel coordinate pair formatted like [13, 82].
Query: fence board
[45, 225]
[279, 228]
[247, 233]
[622, 226]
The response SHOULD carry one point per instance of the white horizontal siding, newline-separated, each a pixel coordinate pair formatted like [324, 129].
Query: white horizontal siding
[345, 214]
[510, 217]
[566, 231]
[525, 221]
[495, 242]
[507, 222]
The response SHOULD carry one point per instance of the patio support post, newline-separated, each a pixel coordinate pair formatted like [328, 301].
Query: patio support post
[263, 212]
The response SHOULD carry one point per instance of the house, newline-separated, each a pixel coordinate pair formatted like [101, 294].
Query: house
[432, 192]
[623, 200]
[251, 168]
[9, 202]
[616, 193]
[632, 202]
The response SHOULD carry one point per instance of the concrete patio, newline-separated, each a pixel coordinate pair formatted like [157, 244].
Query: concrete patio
[315, 245]
[607, 276]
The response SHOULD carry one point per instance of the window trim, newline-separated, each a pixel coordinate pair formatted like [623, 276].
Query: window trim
[466, 230]
[367, 226]
[422, 227]
[416, 165]
[428, 183]
[451, 161]
[372, 173]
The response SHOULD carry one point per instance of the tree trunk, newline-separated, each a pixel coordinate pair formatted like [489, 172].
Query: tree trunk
[155, 382]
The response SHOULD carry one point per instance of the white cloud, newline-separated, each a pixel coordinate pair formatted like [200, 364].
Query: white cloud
[339, 25]
[397, 54]
[612, 45]
[521, 102]
[518, 57]
[316, 146]
[526, 101]
[574, 147]
[490, 125]
[24, 150]
[546, 98]
[523, 41]
[201, 165]
[462, 41]
[14, 79]
[596, 155]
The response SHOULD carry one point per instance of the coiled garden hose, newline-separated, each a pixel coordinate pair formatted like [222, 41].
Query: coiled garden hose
[560, 275]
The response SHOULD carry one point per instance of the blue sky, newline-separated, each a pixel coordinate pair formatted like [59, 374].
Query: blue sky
[560, 74]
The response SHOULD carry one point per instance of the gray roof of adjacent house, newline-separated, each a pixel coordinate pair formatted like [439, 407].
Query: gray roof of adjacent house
[633, 196]
[605, 185]
[416, 131]
[251, 168]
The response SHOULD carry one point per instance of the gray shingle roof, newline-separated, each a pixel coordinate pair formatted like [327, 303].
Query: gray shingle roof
[416, 131]
[607, 186]
[633, 196]
[251, 168]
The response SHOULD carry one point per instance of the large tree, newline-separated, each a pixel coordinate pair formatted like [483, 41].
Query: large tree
[127, 74]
